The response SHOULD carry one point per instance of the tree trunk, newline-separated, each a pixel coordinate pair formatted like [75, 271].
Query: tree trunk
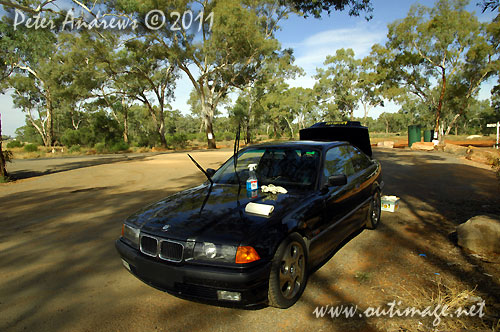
[207, 113]
[451, 124]
[210, 135]
[50, 127]
[440, 103]
[125, 120]
[125, 126]
[3, 171]
[248, 136]
[289, 126]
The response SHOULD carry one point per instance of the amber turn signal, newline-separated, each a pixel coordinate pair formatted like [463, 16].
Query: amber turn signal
[123, 230]
[246, 255]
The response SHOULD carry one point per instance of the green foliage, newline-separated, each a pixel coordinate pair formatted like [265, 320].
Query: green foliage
[177, 140]
[28, 133]
[317, 7]
[31, 147]
[100, 148]
[14, 144]
[74, 148]
[228, 136]
[120, 147]
[83, 136]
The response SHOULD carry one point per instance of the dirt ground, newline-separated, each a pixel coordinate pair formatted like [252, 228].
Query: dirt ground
[60, 271]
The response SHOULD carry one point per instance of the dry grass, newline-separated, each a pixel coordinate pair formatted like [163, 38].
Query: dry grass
[439, 298]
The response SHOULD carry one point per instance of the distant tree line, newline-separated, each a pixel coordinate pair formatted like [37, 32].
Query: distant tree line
[116, 87]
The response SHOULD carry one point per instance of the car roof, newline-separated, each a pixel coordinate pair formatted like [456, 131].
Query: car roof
[323, 145]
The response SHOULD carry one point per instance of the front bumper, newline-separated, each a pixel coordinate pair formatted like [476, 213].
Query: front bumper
[198, 283]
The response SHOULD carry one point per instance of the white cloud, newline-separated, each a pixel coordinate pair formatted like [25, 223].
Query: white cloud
[313, 50]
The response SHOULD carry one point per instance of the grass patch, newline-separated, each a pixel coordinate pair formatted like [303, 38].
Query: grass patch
[457, 299]
[363, 277]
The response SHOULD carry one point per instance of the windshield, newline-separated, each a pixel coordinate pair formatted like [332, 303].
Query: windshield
[287, 167]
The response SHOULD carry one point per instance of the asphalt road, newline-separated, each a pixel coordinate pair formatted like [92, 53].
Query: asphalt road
[59, 270]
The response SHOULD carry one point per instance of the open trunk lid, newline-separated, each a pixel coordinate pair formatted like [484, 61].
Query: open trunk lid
[350, 131]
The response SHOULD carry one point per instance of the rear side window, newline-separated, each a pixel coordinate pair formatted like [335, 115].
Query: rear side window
[337, 161]
[359, 160]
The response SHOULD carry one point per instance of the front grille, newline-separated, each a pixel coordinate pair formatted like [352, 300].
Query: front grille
[171, 251]
[149, 245]
[165, 249]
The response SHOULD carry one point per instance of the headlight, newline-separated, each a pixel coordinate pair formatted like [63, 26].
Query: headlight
[131, 235]
[213, 252]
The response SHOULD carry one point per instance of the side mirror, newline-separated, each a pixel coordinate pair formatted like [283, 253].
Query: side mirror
[337, 180]
[210, 172]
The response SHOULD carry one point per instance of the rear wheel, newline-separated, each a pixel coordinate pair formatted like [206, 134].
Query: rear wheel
[375, 210]
[288, 272]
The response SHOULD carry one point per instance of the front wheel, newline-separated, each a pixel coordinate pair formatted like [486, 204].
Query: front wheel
[288, 272]
[375, 210]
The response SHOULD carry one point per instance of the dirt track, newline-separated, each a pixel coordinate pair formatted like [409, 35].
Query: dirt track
[59, 270]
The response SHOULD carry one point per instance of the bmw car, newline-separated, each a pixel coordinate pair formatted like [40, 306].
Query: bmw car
[219, 243]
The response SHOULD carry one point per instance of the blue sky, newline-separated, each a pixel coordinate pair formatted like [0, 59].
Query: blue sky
[312, 40]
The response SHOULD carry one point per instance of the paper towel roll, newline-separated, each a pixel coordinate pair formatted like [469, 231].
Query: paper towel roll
[259, 209]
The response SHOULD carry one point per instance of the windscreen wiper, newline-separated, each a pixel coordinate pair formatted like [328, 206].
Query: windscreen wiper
[201, 169]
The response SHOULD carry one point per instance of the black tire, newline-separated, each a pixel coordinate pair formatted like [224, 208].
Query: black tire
[374, 212]
[288, 277]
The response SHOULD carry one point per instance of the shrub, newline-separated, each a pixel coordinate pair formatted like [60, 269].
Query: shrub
[74, 148]
[192, 136]
[202, 137]
[31, 147]
[177, 140]
[100, 148]
[14, 144]
[119, 147]
[229, 136]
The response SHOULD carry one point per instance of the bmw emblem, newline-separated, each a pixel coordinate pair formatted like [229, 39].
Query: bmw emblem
[165, 228]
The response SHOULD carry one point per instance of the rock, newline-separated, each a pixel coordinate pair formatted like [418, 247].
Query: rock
[455, 149]
[481, 155]
[386, 144]
[480, 235]
[473, 136]
[425, 146]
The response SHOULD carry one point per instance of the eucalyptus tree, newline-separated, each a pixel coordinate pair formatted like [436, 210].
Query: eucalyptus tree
[218, 45]
[248, 110]
[435, 45]
[34, 78]
[348, 82]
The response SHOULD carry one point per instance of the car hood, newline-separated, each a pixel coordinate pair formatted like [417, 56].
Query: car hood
[213, 214]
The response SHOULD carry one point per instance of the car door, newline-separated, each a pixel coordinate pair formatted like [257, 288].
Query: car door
[362, 180]
[337, 201]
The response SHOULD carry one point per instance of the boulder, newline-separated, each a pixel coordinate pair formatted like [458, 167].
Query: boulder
[386, 144]
[482, 155]
[455, 149]
[425, 146]
[481, 235]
